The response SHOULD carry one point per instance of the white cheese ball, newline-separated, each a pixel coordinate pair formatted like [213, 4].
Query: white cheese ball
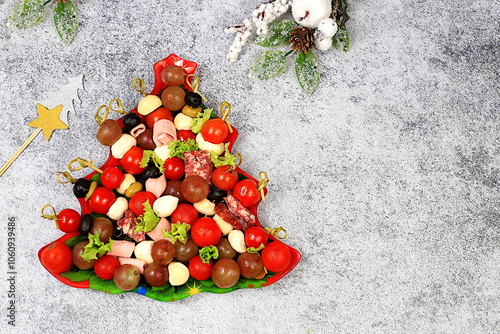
[122, 145]
[328, 27]
[224, 226]
[178, 273]
[237, 241]
[205, 207]
[143, 249]
[208, 146]
[117, 210]
[163, 152]
[148, 104]
[183, 122]
[309, 13]
[165, 205]
[128, 180]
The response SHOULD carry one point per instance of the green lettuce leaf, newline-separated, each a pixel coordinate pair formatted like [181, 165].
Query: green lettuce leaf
[200, 119]
[148, 155]
[209, 252]
[178, 148]
[148, 221]
[179, 232]
[96, 247]
[223, 160]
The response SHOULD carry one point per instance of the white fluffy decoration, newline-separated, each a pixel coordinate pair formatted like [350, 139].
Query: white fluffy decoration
[323, 44]
[328, 27]
[309, 13]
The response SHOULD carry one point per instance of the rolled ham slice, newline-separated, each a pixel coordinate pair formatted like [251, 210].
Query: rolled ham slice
[138, 263]
[135, 132]
[157, 233]
[122, 248]
[164, 132]
[156, 186]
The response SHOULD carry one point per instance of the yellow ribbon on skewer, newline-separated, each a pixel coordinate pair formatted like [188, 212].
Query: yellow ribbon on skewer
[275, 232]
[67, 175]
[142, 86]
[83, 163]
[225, 111]
[100, 119]
[52, 216]
[119, 103]
[195, 85]
[263, 182]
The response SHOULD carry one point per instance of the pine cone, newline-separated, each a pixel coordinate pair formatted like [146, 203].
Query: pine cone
[302, 39]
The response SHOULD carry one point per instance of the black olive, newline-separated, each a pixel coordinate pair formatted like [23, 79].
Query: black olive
[131, 120]
[85, 224]
[81, 188]
[118, 234]
[193, 99]
[215, 194]
[150, 172]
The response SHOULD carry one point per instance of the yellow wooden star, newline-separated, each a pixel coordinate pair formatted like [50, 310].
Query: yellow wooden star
[48, 120]
[193, 290]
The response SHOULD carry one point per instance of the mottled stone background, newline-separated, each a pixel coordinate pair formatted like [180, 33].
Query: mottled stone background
[386, 178]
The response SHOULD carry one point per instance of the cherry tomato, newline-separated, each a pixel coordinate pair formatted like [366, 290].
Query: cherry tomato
[246, 192]
[57, 257]
[112, 177]
[184, 213]
[205, 232]
[131, 159]
[200, 270]
[276, 256]
[101, 200]
[255, 236]
[174, 168]
[160, 113]
[215, 131]
[184, 135]
[68, 220]
[105, 267]
[135, 203]
[224, 178]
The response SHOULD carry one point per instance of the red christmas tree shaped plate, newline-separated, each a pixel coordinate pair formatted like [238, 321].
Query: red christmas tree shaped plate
[87, 278]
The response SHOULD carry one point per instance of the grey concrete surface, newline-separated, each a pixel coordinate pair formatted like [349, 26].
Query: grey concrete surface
[386, 179]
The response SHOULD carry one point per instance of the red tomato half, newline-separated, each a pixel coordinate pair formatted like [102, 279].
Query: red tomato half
[246, 192]
[255, 236]
[131, 159]
[101, 200]
[215, 131]
[184, 135]
[68, 220]
[199, 270]
[112, 177]
[57, 257]
[174, 168]
[105, 267]
[224, 178]
[276, 256]
[136, 202]
[184, 213]
[205, 232]
[160, 113]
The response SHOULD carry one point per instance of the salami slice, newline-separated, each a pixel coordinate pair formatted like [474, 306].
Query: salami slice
[198, 163]
[239, 210]
[222, 211]
[128, 223]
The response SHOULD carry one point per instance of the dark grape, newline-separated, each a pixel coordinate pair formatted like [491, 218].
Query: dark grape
[172, 75]
[194, 188]
[145, 140]
[118, 234]
[150, 172]
[172, 98]
[226, 251]
[103, 225]
[215, 194]
[225, 273]
[174, 188]
[156, 274]
[85, 224]
[109, 132]
[250, 264]
[81, 188]
[77, 256]
[185, 252]
[126, 277]
[131, 120]
[163, 252]
[193, 99]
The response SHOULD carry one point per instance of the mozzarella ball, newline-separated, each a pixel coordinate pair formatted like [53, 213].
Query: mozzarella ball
[122, 145]
[224, 227]
[128, 180]
[178, 273]
[205, 207]
[165, 205]
[208, 146]
[183, 122]
[148, 104]
[237, 241]
[117, 210]
[143, 249]
[163, 152]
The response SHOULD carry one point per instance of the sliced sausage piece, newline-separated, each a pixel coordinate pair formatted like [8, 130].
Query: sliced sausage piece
[239, 210]
[128, 223]
[198, 163]
[223, 212]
